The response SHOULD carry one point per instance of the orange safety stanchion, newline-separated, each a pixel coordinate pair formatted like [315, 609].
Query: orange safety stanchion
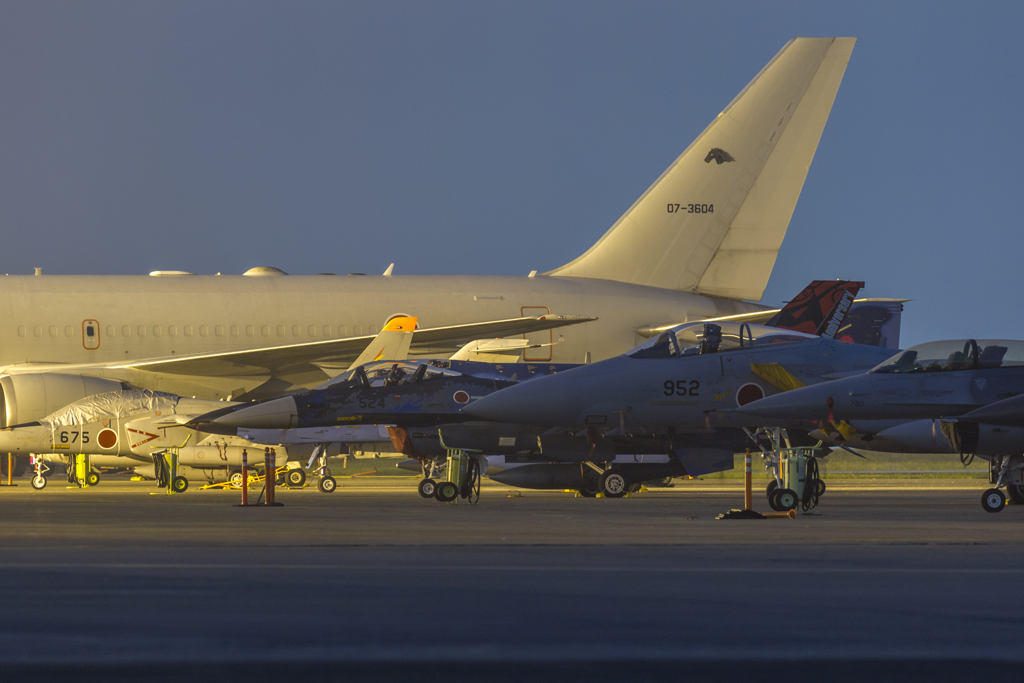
[270, 467]
[10, 470]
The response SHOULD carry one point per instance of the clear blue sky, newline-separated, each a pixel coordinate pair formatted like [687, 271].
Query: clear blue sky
[499, 138]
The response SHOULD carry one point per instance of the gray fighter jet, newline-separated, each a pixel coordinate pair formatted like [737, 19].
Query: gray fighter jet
[970, 387]
[682, 387]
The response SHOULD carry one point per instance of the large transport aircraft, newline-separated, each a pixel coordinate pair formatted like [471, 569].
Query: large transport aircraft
[700, 243]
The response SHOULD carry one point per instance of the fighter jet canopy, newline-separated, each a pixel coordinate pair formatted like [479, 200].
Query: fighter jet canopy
[686, 339]
[955, 354]
[393, 372]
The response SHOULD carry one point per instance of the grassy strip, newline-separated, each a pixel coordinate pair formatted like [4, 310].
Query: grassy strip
[875, 465]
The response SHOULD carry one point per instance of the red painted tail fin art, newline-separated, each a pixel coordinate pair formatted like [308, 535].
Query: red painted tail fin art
[819, 309]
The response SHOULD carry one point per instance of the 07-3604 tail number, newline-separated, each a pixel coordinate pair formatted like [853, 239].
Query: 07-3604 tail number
[691, 208]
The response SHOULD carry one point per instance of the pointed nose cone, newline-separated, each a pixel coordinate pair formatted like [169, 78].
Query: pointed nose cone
[548, 401]
[1007, 413]
[281, 413]
[808, 403]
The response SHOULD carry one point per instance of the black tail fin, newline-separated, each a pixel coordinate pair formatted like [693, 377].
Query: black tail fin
[819, 309]
[875, 322]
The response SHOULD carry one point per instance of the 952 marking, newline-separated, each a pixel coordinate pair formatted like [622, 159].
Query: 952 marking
[682, 387]
[691, 208]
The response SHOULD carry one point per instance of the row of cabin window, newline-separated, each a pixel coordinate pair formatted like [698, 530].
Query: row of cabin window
[204, 330]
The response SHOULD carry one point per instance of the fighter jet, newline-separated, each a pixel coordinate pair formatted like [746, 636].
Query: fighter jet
[971, 387]
[414, 393]
[681, 387]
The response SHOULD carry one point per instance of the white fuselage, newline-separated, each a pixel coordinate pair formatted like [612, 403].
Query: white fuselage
[46, 319]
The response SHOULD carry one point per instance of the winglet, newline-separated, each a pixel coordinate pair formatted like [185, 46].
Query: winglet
[401, 324]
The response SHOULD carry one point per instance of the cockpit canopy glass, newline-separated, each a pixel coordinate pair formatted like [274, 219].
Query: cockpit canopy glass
[687, 339]
[393, 373]
[955, 354]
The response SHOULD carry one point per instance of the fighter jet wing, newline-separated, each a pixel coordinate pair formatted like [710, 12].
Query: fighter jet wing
[260, 361]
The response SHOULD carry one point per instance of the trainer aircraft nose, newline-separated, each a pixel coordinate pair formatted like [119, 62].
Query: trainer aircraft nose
[280, 413]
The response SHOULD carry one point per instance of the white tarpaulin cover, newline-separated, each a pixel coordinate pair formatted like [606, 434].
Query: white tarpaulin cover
[113, 404]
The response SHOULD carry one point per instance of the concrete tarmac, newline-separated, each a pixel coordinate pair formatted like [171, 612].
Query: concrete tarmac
[886, 581]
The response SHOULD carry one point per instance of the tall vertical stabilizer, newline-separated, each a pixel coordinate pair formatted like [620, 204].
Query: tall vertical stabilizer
[714, 221]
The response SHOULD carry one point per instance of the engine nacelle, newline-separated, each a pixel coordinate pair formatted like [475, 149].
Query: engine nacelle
[29, 397]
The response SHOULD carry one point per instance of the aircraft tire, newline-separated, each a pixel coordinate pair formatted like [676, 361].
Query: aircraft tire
[92, 479]
[179, 484]
[327, 485]
[612, 484]
[1016, 492]
[586, 493]
[427, 488]
[772, 487]
[446, 491]
[39, 482]
[773, 503]
[236, 480]
[993, 500]
[296, 477]
[786, 499]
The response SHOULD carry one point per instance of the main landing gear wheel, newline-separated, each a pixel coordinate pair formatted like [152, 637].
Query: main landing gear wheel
[427, 488]
[295, 477]
[586, 493]
[993, 500]
[327, 485]
[773, 486]
[179, 484]
[92, 479]
[236, 480]
[786, 500]
[39, 482]
[612, 484]
[446, 491]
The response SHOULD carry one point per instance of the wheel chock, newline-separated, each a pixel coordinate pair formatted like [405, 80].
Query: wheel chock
[628, 495]
[644, 489]
[600, 495]
[578, 494]
[740, 514]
